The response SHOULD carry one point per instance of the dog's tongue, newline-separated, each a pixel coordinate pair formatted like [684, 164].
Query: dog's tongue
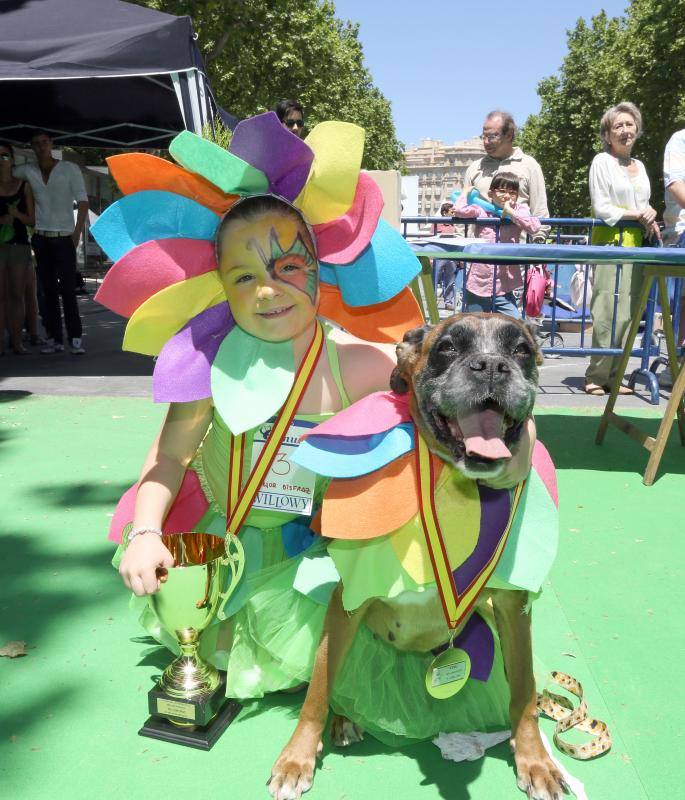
[482, 432]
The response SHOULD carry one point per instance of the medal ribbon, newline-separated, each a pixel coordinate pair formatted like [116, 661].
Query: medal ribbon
[455, 606]
[239, 502]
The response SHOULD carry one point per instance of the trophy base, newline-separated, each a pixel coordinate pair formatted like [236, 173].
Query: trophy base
[202, 737]
[194, 722]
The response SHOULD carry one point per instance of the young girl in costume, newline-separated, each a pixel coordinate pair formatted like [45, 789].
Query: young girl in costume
[232, 305]
[481, 283]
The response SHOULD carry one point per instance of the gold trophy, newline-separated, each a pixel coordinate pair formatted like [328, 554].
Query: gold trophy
[188, 704]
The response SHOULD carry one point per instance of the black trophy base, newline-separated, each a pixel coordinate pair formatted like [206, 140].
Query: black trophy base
[200, 737]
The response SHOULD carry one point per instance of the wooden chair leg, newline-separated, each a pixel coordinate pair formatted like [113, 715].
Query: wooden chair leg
[675, 405]
[671, 349]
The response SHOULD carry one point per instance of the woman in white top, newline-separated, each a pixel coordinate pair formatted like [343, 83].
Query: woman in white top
[619, 190]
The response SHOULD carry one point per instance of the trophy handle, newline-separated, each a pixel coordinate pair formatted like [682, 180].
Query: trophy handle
[235, 560]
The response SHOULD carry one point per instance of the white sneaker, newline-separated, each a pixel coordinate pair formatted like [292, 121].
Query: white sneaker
[76, 347]
[51, 346]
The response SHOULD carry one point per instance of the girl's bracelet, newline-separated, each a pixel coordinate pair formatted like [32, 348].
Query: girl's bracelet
[138, 531]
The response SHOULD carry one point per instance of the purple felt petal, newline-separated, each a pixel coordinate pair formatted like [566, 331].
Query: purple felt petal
[182, 371]
[266, 144]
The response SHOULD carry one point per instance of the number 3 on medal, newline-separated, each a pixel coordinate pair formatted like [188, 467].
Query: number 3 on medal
[281, 465]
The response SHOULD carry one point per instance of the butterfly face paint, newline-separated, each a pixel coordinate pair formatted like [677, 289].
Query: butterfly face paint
[270, 276]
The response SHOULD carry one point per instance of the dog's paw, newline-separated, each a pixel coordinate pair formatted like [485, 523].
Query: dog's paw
[293, 773]
[344, 733]
[539, 778]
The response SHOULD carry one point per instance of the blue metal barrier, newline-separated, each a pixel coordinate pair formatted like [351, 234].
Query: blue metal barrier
[649, 347]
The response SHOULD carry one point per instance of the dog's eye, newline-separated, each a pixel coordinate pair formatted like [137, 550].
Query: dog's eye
[446, 346]
[522, 349]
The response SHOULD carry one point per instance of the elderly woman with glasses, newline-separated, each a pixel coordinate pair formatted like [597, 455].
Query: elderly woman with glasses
[619, 191]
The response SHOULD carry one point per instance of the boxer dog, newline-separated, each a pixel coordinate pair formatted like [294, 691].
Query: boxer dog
[472, 381]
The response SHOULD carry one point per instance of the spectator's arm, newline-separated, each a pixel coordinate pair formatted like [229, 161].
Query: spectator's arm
[600, 194]
[461, 208]
[677, 192]
[78, 191]
[520, 215]
[537, 195]
[29, 218]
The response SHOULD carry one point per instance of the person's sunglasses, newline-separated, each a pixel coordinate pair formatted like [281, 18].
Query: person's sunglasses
[5, 157]
[291, 123]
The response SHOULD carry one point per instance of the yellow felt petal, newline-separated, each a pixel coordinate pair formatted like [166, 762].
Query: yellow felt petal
[456, 498]
[165, 313]
[329, 192]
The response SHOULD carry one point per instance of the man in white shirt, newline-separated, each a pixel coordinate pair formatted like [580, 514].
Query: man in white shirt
[499, 130]
[56, 186]
[674, 216]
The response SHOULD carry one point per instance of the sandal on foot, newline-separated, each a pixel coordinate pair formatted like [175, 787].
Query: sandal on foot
[594, 389]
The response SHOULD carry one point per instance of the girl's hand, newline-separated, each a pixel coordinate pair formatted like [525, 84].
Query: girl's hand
[145, 563]
[508, 210]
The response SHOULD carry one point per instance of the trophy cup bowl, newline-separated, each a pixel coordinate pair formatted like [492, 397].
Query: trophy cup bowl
[191, 692]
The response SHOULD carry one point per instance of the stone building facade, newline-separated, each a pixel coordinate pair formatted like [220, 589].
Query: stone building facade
[441, 168]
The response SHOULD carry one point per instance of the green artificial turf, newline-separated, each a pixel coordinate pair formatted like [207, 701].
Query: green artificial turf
[71, 708]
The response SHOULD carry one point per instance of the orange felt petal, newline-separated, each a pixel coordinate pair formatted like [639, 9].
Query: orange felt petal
[374, 504]
[136, 172]
[384, 322]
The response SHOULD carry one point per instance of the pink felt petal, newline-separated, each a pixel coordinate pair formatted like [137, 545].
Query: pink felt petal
[376, 413]
[182, 371]
[151, 267]
[544, 466]
[187, 510]
[343, 239]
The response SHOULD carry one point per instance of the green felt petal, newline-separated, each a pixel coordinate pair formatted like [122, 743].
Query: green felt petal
[316, 577]
[533, 539]
[369, 568]
[230, 173]
[251, 379]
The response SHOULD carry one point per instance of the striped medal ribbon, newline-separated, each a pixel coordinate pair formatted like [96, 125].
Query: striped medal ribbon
[239, 502]
[456, 606]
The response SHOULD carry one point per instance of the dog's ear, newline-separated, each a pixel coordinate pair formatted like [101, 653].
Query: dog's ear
[530, 332]
[408, 351]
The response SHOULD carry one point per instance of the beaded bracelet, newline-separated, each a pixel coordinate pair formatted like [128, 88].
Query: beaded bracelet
[137, 532]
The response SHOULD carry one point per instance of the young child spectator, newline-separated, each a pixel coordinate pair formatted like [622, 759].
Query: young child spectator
[481, 279]
[444, 270]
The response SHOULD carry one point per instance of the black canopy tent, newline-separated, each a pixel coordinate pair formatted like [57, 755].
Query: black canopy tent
[100, 73]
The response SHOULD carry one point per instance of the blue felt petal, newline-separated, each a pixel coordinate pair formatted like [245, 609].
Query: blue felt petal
[327, 274]
[350, 457]
[383, 269]
[143, 216]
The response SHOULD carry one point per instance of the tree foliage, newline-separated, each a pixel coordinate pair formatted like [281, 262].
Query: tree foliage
[639, 57]
[258, 52]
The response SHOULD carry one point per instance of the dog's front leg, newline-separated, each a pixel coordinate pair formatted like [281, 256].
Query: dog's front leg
[293, 772]
[536, 773]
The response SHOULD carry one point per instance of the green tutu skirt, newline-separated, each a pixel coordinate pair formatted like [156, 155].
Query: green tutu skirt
[383, 691]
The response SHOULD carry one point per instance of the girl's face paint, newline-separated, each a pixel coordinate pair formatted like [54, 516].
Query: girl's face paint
[270, 276]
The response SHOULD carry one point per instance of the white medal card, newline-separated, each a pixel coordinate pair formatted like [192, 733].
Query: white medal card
[287, 487]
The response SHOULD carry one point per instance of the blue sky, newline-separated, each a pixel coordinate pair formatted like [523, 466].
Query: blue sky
[444, 65]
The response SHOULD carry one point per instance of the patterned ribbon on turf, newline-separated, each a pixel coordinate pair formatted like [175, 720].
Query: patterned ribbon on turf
[239, 502]
[559, 708]
[456, 605]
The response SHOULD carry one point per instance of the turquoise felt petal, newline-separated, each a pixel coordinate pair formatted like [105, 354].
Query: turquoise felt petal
[383, 269]
[327, 274]
[230, 173]
[251, 379]
[532, 544]
[143, 216]
[342, 462]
